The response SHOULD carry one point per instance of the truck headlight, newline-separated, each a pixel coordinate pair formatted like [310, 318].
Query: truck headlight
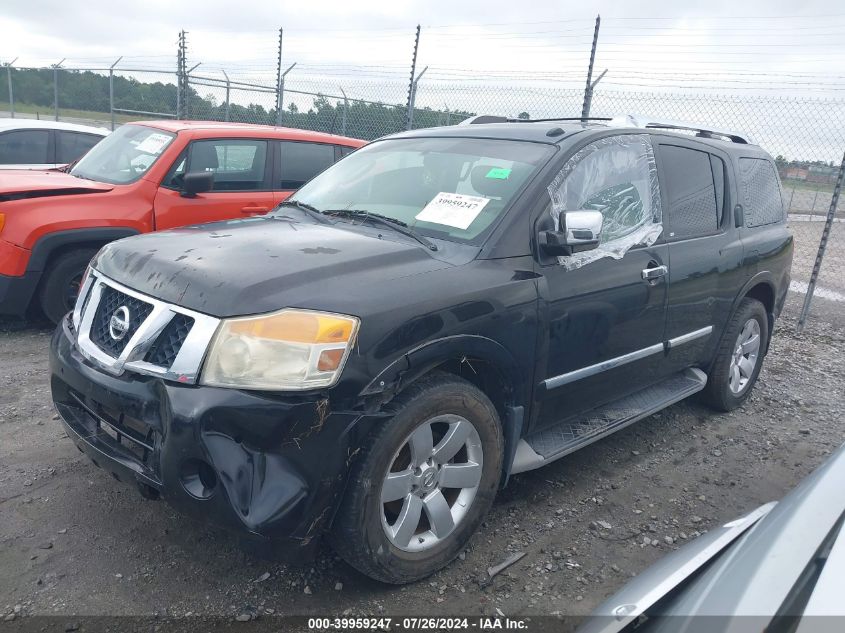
[284, 351]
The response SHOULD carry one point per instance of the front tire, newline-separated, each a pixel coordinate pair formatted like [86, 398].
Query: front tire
[739, 357]
[60, 285]
[424, 482]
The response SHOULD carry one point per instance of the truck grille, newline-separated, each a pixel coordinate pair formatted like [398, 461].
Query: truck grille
[120, 329]
[110, 301]
[169, 342]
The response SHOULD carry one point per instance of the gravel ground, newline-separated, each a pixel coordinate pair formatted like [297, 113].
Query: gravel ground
[73, 541]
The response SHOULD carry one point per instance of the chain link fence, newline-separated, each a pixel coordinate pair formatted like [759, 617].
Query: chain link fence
[806, 135]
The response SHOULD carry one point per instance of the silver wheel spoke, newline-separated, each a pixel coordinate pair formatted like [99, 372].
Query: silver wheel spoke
[746, 366]
[735, 378]
[460, 475]
[751, 345]
[421, 443]
[408, 521]
[453, 441]
[396, 486]
[439, 514]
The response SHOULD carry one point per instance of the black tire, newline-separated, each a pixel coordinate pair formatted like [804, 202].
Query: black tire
[55, 295]
[718, 393]
[357, 534]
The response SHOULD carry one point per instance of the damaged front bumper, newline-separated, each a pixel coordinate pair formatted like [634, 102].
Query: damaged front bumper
[267, 466]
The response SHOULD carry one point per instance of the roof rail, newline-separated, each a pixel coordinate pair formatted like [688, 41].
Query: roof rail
[640, 121]
[494, 118]
[484, 118]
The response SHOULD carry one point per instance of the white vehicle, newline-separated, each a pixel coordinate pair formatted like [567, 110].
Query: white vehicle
[33, 144]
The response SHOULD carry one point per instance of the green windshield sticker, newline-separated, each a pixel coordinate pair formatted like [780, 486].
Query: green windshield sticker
[499, 173]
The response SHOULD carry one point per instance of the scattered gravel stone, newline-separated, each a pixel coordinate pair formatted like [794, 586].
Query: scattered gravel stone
[338, 586]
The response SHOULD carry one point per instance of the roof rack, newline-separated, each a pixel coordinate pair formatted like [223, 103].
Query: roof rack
[494, 118]
[626, 120]
[640, 121]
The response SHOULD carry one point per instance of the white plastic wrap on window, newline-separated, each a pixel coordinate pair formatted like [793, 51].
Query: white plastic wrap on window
[616, 175]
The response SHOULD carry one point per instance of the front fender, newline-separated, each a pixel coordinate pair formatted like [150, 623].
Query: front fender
[422, 359]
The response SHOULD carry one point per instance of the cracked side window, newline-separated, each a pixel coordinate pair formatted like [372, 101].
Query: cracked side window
[616, 175]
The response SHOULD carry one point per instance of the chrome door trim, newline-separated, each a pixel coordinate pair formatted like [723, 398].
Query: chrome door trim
[612, 363]
[689, 336]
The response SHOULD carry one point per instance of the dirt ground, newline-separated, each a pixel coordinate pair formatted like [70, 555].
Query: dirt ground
[73, 541]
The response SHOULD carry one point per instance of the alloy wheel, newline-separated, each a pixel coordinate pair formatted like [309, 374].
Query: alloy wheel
[431, 482]
[745, 356]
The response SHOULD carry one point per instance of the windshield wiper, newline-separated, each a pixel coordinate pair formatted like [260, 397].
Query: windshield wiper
[397, 225]
[310, 210]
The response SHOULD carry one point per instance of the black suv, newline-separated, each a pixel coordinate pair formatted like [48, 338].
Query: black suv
[434, 313]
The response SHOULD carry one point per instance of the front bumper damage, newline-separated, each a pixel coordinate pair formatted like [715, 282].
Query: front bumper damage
[266, 466]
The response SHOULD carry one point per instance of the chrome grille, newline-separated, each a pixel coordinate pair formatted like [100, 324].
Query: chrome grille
[169, 342]
[110, 301]
[160, 339]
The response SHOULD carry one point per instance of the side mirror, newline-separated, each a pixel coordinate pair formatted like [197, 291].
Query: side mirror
[197, 182]
[579, 231]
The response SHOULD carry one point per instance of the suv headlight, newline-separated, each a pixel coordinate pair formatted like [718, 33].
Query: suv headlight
[284, 351]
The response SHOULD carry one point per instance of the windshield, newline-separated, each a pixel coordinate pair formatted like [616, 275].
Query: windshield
[124, 155]
[447, 188]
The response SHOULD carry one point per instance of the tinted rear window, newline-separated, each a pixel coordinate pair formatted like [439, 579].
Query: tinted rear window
[24, 147]
[73, 145]
[302, 161]
[691, 192]
[760, 192]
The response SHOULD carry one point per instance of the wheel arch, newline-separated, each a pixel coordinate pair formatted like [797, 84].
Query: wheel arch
[54, 244]
[480, 361]
[762, 288]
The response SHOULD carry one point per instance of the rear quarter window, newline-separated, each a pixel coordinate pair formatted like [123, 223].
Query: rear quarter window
[760, 192]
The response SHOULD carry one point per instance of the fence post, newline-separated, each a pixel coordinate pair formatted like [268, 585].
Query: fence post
[280, 80]
[228, 87]
[56, 89]
[409, 114]
[585, 110]
[188, 88]
[111, 90]
[11, 91]
[281, 95]
[414, 98]
[791, 196]
[345, 108]
[831, 212]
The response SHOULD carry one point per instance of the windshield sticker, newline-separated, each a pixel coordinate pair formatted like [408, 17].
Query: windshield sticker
[153, 144]
[452, 209]
[499, 173]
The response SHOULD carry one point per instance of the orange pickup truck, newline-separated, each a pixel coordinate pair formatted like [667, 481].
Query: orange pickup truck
[145, 176]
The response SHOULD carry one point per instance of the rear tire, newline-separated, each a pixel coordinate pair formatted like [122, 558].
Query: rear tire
[368, 530]
[60, 285]
[739, 357]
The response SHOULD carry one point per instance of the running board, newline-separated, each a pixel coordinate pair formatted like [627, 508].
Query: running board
[543, 447]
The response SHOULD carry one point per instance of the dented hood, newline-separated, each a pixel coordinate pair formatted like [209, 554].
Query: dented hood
[260, 265]
[18, 184]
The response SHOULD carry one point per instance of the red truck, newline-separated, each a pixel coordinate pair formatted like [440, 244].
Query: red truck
[145, 176]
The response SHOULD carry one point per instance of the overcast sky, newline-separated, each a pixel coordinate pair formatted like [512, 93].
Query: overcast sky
[795, 48]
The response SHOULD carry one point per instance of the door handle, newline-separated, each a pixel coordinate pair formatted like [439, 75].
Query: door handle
[249, 210]
[656, 272]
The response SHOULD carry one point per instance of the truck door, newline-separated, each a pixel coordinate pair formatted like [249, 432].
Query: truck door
[242, 183]
[604, 309]
[705, 250]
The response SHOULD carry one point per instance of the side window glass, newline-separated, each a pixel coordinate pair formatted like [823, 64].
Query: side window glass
[73, 145]
[616, 175]
[760, 192]
[302, 161]
[237, 164]
[718, 166]
[24, 147]
[690, 192]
